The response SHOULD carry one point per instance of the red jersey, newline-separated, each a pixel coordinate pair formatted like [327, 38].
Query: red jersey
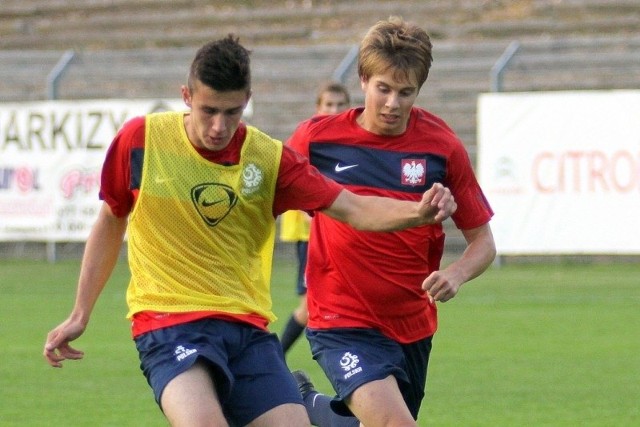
[373, 279]
[299, 187]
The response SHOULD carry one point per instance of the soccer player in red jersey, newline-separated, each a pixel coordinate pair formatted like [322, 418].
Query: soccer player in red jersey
[372, 296]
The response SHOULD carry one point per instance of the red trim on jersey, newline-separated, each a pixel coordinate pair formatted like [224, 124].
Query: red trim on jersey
[146, 321]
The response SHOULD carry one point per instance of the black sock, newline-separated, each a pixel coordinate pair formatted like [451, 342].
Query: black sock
[321, 414]
[291, 332]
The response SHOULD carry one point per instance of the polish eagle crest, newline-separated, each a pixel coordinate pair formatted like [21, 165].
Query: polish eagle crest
[413, 171]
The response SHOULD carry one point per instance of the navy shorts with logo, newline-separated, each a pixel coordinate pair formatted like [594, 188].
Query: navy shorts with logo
[351, 357]
[246, 363]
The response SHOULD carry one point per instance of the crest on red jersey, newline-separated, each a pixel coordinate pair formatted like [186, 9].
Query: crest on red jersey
[414, 171]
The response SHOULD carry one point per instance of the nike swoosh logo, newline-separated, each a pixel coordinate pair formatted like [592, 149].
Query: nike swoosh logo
[206, 204]
[339, 168]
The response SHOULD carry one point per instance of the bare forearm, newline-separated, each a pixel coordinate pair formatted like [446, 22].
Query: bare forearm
[474, 261]
[382, 214]
[442, 285]
[478, 255]
[100, 256]
[374, 213]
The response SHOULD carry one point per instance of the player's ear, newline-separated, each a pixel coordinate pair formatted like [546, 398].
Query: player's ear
[363, 83]
[186, 95]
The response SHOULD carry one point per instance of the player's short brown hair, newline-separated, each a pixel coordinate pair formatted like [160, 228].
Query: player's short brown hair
[398, 45]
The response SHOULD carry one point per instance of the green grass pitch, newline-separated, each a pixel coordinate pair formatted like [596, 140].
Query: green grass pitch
[523, 345]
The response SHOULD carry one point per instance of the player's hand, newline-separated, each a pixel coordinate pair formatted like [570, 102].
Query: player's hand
[440, 287]
[57, 348]
[437, 204]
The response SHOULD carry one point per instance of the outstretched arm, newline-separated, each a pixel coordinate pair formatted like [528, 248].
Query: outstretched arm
[443, 285]
[100, 256]
[373, 213]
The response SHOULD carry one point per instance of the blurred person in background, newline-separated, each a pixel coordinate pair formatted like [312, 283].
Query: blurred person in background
[332, 98]
[372, 296]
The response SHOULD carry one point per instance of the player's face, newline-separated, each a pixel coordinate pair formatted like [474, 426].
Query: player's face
[332, 103]
[387, 103]
[215, 116]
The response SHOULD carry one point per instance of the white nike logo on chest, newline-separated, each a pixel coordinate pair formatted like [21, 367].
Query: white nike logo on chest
[339, 168]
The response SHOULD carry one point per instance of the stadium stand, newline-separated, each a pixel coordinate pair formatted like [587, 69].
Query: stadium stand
[54, 24]
[140, 48]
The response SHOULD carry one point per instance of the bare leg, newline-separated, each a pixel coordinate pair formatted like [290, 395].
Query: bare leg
[190, 400]
[287, 415]
[380, 403]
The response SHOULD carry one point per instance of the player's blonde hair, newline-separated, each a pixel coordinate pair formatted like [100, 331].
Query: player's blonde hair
[396, 45]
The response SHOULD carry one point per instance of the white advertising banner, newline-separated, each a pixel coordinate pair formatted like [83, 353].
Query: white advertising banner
[562, 171]
[51, 154]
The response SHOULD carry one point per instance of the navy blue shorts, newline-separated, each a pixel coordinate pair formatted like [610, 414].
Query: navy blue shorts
[247, 364]
[351, 357]
[302, 248]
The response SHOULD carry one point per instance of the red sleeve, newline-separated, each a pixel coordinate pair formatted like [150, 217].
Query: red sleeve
[473, 208]
[300, 186]
[299, 140]
[115, 184]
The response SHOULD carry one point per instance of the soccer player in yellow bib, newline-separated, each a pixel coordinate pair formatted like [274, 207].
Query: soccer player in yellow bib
[197, 193]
